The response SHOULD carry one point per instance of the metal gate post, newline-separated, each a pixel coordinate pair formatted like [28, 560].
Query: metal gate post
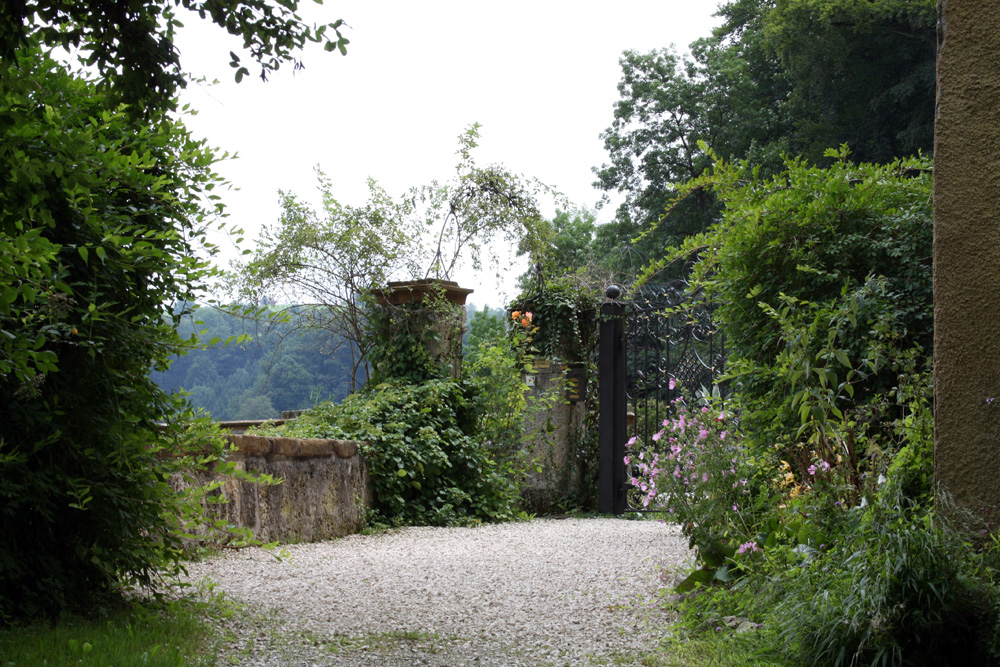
[611, 446]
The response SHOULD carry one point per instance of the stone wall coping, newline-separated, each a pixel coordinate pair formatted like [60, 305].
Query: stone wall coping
[241, 425]
[259, 445]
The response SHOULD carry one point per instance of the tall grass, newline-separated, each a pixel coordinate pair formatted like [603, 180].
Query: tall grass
[175, 635]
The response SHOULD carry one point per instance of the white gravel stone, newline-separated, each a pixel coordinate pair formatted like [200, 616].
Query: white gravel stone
[544, 592]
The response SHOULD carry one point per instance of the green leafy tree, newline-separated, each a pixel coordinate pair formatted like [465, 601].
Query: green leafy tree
[110, 215]
[479, 205]
[565, 244]
[257, 406]
[653, 142]
[131, 42]
[484, 328]
[822, 278]
[861, 73]
[325, 263]
[104, 211]
[775, 78]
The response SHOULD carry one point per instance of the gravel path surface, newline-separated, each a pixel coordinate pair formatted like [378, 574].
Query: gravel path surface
[544, 592]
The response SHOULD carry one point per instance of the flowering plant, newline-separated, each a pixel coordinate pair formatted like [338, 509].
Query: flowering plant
[696, 469]
[521, 333]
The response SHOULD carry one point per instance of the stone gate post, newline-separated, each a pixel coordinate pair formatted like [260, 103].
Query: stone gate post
[967, 253]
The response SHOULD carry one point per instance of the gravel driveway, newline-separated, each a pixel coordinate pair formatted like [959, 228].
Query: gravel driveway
[544, 592]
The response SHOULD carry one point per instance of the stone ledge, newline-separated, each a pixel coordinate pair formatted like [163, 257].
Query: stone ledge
[323, 493]
[259, 445]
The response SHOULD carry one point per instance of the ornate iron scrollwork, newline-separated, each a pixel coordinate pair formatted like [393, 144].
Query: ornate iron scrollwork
[669, 334]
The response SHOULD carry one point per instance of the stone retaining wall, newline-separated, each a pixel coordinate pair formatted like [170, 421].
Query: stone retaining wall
[323, 494]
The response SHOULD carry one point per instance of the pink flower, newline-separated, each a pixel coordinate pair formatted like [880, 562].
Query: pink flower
[673, 383]
[812, 470]
[657, 435]
[704, 477]
[722, 436]
[631, 441]
[749, 546]
[627, 460]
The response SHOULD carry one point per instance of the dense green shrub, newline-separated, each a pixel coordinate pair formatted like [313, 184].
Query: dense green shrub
[425, 457]
[406, 336]
[820, 273]
[493, 364]
[823, 285]
[102, 221]
[563, 313]
[901, 589]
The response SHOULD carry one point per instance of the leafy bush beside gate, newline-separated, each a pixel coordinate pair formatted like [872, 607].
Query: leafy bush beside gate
[823, 283]
[427, 462]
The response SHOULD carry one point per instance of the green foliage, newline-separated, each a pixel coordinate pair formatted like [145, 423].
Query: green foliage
[266, 368]
[325, 264]
[136, 635]
[667, 106]
[133, 48]
[483, 329]
[698, 469]
[902, 589]
[822, 273]
[424, 455]
[776, 78]
[480, 205]
[495, 369]
[823, 282]
[563, 313]
[565, 244]
[113, 215]
[417, 340]
[859, 73]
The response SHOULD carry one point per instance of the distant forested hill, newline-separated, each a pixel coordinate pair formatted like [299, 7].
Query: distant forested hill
[281, 368]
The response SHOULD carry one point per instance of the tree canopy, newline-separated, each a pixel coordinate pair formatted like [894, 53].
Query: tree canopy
[776, 78]
[131, 42]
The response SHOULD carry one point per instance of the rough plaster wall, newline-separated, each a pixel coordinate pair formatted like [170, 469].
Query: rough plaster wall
[323, 494]
[967, 252]
[552, 450]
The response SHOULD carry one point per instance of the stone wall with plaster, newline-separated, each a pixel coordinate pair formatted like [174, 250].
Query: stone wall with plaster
[553, 436]
[967, 253]
[323, 494]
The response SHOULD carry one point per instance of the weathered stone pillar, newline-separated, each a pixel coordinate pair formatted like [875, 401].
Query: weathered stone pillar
[967, 253]
[431, 312]
[554, 434]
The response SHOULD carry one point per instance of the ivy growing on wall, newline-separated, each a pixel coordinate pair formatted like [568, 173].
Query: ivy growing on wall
[563, 312]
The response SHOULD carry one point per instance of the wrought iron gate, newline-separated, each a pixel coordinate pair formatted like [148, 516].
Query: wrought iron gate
[666, 333]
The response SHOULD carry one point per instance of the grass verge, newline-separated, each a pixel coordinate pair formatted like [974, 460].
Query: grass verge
[177, 634]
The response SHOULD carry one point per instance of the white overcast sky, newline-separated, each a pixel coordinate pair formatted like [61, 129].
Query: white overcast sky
[541, 77]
